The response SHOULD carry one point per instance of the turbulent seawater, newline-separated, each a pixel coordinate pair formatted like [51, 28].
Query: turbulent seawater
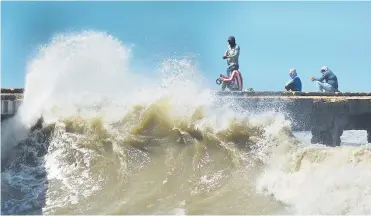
[116, 142]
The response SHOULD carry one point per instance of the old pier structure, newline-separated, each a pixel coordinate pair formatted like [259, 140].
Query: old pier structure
[326, 115]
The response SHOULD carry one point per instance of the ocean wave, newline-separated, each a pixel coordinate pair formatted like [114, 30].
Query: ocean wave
[114, 142]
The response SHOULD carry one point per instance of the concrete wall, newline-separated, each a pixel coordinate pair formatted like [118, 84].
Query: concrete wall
[9, 108]
[11, 99]
[326, 115]
[12, 91]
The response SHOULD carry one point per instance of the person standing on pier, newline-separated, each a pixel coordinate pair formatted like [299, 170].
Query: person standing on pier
[331, 84]
[295, 83]
[231, 54]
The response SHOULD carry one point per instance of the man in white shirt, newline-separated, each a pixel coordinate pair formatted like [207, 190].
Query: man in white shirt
[231, 54]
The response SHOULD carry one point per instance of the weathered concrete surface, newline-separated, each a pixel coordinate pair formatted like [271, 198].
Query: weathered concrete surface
[292, 94]
[10, 101]
[326, 115]
[12, 91]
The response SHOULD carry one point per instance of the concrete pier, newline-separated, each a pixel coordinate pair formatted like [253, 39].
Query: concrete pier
[11, 99]
[326, 115]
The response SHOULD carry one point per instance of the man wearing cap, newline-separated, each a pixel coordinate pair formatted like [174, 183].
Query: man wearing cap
[295, 83]
[331, 84]
[231, 54]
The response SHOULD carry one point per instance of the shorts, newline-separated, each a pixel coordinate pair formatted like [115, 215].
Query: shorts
[231, 68]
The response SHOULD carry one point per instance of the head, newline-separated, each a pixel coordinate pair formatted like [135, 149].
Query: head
[324, 69]
[292, 72]
[231, 41]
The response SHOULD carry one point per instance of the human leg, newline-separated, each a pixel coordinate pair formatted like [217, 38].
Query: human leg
[232, 86]
[290, 86]
[231, 68]
[325, 87]
[228, 74]
[224, 85]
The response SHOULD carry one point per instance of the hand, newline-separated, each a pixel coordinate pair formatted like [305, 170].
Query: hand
[224, 57]
[312, 78]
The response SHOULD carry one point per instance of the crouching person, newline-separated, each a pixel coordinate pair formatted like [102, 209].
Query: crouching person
[331, 84]
[233, 83]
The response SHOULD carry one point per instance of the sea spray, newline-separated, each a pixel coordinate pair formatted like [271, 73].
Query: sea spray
[321, 180]
[72, 71]
[76, 70]
[114, 142]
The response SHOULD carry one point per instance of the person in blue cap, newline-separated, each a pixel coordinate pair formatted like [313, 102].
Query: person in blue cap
[231, 54]
[295, 83]
[331, 81]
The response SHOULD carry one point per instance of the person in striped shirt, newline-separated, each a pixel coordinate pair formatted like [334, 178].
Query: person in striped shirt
[233, 83]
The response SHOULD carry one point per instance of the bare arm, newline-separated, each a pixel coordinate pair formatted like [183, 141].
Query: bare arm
[224, 77]
[234, 74]
[289, 82]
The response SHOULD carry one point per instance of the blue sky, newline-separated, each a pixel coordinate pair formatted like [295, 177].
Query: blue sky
[273, 36]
